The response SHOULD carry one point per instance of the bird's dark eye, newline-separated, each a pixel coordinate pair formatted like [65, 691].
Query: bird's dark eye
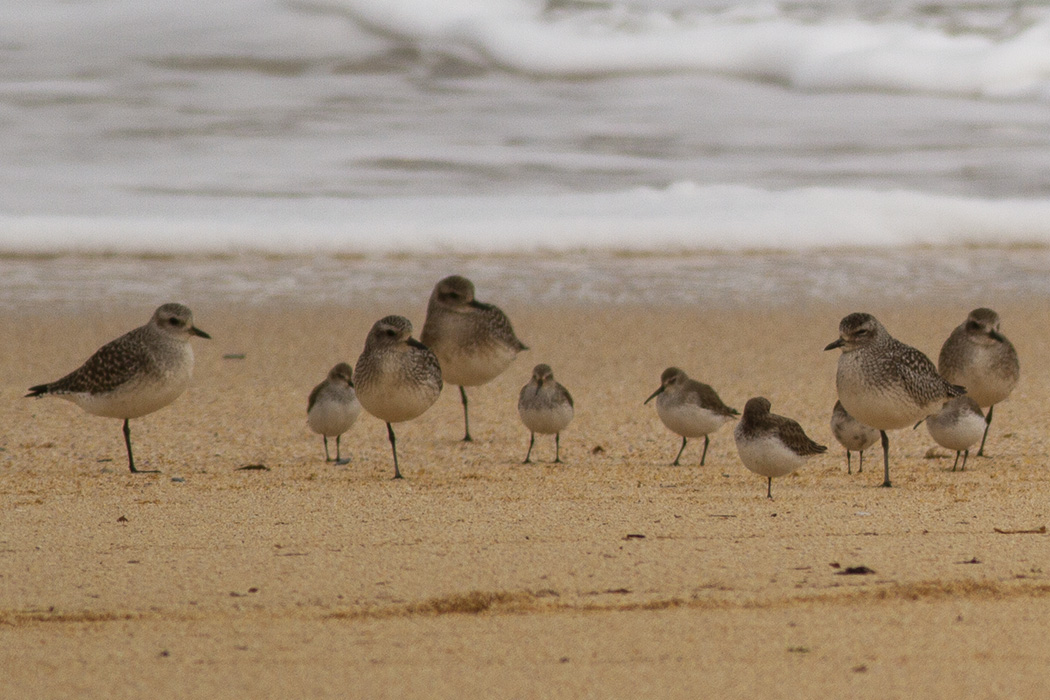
[390, 332]
[174, 322]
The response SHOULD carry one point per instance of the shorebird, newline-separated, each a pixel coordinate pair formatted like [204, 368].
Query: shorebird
[473, 341]
[398, 377]
[333, 407]
[545, 407]
[771, 445]
[689, 408]
[958, 426]
[979, 357]
[134, 375]
[852, 434]
[884, 383]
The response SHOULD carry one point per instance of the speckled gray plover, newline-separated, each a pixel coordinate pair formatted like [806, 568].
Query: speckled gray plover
[771, 445]
[689, 408]
[852, 434]
[979, 357]
[397, 377]
[473, 341]
[136, 374]
[884, 383]
[545, 407]
[333, 408]
[958, 426]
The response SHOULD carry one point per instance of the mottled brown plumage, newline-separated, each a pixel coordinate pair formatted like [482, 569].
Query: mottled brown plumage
[397, 377]
[978, 356]
[473, 341]
[884, 383]
[136, 374]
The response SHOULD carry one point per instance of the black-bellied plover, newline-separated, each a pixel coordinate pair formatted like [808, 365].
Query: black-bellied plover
[852, 434]
[771, 445]
[545, 407]
[689, 408]
[473, 341]
[397, 377]
[136, 374]
[884, 383]
[958, 426]
[979, 357]
[333, 407]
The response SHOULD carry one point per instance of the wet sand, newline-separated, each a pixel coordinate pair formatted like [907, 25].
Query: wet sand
[612, 575]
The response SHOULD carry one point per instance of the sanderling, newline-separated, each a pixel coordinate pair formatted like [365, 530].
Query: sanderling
[473, 341]
[771, 445]
[333, 407]
[852, 434]
[979, 357]
[884, 383]
[545, 407]
[958, 426]
[689, 408]
[397, 377]
[136, 374]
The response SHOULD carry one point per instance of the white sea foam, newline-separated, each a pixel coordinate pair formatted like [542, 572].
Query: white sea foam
[762, 42]
[682, 217]
[377, 126]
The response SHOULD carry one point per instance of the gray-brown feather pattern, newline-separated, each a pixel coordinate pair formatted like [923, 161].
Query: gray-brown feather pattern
[110, 366]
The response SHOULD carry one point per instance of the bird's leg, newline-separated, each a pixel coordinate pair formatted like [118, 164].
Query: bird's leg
[987, 424]
[326, 457]
[557, 448]
[532, 439]
[703, 455]
[131, 459]
[393, 446]
[885, 459]
[680, 451]
[466, 419]
[338, 457]
[769, 488]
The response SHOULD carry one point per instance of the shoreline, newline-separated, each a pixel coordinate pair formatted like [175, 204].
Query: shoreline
[478, 575]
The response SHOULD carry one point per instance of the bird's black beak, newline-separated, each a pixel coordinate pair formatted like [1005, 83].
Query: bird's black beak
[199, 333]
[834, 344]
[655, 394]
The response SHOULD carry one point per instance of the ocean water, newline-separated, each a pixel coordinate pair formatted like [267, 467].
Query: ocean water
[380, 128]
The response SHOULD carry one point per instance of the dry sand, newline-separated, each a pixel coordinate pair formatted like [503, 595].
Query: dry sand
[612, 575]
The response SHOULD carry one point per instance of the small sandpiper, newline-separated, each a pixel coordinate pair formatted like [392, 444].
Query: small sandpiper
[397, 377]
[333, 408]
[852, 434]
[473, 341]
[979, 357]
[545, 407]
[771, 445]
[958, 426]
[136, 374]
[884, 383]
[689, 408]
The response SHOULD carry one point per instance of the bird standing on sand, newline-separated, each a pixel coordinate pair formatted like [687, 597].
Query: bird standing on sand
[689, 408]
[958, 426]
[333, 408]
[884, 383]
[851, 434]
[398, 377]
[771, 445]
[136, 374]
[979, 357]
[545, 407]
[473, 341]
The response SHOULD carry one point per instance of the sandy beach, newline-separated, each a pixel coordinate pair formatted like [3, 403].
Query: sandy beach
[611, 575]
